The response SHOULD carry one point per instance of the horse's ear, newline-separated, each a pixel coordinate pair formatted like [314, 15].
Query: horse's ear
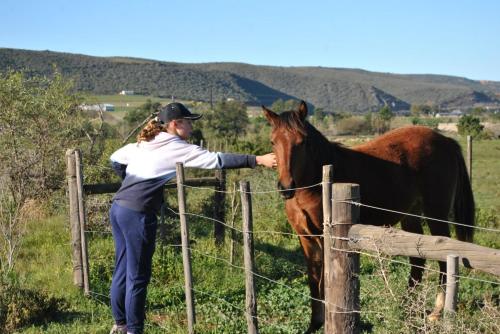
[302, 110]
[271, 116]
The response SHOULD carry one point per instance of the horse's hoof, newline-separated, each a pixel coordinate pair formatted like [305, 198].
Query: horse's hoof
[434, 316]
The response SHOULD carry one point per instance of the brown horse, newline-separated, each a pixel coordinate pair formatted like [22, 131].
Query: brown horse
[412, 169]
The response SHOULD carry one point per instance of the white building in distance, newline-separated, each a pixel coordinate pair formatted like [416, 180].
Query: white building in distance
[98, 107]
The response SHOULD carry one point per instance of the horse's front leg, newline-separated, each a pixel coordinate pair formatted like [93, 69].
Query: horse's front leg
[313, 252]
[312, 246]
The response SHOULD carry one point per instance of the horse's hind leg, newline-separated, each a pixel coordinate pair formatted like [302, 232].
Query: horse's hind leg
[439, 229]
[439, 209]
[414, 225]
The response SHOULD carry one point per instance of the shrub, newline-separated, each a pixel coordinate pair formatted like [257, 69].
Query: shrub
[429, 122]
[353, 125]
[470, 125]
[19, 306]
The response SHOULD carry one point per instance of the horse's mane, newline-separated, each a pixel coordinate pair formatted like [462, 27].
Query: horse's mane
[320, 146]
[292, 122]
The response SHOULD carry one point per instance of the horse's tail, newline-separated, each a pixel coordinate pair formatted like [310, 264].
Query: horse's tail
[464, 207]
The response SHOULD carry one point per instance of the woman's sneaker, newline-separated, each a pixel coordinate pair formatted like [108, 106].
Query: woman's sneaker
[118, 329]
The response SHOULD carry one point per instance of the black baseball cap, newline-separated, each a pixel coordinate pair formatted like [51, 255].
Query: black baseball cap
[175, 110]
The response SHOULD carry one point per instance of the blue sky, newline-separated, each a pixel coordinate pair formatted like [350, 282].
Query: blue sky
[452, 37]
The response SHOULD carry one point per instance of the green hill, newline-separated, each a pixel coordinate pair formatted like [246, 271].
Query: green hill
[333, 89]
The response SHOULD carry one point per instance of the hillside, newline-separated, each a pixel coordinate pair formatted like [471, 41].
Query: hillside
[332, 89]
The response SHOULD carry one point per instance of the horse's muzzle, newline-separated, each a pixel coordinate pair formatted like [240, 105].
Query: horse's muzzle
[287, 192]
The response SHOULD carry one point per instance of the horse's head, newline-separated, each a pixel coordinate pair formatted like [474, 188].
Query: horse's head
[288, 137]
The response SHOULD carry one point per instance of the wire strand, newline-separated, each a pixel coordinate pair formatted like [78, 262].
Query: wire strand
[253, 192]
[416, 216]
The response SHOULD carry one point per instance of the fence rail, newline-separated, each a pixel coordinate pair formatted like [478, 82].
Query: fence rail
[391, 241]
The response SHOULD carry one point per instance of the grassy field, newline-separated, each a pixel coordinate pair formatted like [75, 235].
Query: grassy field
[283, 303]
[485, 168]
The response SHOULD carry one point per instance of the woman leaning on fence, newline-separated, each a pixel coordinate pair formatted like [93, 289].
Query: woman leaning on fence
[145, 167]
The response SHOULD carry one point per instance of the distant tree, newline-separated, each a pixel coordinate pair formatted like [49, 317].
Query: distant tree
[382, 122]
[430, 122]
[291, 104]
[279, 105]
[136, 116]
[417, 110]
[386, 113]
[369, 122]
[470, 125]
[229, 119]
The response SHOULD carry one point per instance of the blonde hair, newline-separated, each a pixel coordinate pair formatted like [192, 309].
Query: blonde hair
[153, 128]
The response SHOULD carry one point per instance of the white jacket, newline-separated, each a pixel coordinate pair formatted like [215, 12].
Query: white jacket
[147, 166]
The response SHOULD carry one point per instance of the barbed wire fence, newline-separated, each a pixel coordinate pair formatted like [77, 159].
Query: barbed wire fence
[379, 257]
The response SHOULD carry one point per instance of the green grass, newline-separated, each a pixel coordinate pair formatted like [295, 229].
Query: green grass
[45, 264]
[485, 170]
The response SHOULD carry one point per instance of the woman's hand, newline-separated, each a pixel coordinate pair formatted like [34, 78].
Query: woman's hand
[267, 160]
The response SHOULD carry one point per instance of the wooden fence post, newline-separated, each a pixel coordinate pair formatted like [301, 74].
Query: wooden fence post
[83, 221]
[250, 301]
[74, 219]
[220, 198]
[469, 156]
[450, 304]
[342, 307]
[234, 209]
[327, 230]
[186, 256]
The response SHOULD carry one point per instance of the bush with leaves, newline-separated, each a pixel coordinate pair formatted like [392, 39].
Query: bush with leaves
[354, 125]
[228, 120]
[382, 121]
[39, 120]
[280, 105]
[429, 122]
[19, 307]
[470, 125]
[136, 116]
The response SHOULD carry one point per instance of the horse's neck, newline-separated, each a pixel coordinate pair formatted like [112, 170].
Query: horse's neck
[339, 157]
[329, 153]
[346, 164]
[325, 154]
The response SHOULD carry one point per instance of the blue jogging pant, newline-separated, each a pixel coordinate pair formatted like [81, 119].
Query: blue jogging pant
[134, 234]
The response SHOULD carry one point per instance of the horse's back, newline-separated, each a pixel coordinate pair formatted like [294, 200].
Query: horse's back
[414, 147]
